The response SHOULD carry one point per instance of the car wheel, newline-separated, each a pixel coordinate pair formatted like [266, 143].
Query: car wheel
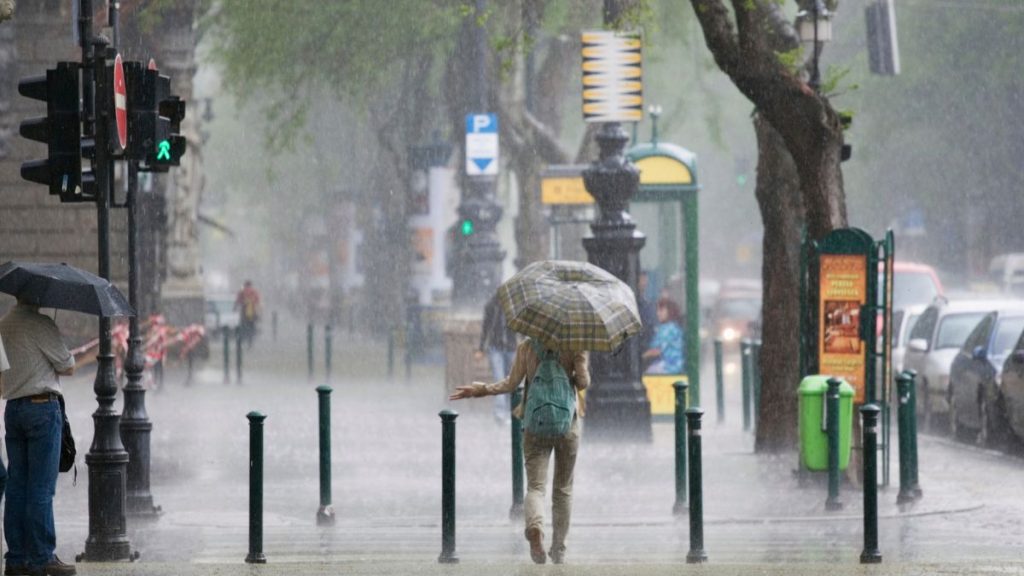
[984, 436]
[954, 425]
[925, 405]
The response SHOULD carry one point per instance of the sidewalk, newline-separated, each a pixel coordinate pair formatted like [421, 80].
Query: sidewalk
[386, 489]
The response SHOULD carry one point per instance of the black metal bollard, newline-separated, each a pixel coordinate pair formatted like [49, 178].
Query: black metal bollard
[745, 376]
[391, 354]
[158, 373]
[719, 385]
[915, 482]
[518, 484]
[191, 368]
[325, 514]
[255, 555]
[328, 350]
[680, 420]
[832, 503]
[309, 348]
[448, 555]
[227, 355]
[755, 381]
[273, 325]
[238, 355]
[696, 555]
[871, 553]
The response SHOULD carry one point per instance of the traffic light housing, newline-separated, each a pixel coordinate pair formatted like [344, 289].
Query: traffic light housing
[154, 119]
[61, 131]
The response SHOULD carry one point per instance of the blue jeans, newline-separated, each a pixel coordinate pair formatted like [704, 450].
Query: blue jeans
[501, 363]
[33, 451]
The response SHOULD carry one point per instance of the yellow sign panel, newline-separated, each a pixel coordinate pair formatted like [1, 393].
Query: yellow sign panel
[662, 170]
[612, 72]
[843, 291]
[661, 393]
[564, 190]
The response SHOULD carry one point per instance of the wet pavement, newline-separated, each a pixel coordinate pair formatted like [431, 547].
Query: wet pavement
[386, 487]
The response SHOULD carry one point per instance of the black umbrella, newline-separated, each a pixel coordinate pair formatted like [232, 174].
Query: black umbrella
[64, 287]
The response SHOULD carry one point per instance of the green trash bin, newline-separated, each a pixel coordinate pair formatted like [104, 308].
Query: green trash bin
[813, 440]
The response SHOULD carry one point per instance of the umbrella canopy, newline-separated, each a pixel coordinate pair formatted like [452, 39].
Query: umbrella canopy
[570, 306]
[64, 287]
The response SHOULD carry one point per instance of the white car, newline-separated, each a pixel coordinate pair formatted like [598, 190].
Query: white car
[934, 342]
[221, 314]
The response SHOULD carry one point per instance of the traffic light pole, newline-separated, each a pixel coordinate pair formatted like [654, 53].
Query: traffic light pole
[136, 428]
[476, 271]
[107, 458]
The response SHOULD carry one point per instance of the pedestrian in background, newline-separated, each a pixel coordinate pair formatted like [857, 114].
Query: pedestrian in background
[33, 421]
[247, 303]
[499, 343]
[537, 450]
[666, 351]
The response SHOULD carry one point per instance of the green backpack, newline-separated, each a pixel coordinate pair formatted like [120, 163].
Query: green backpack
[550, 398]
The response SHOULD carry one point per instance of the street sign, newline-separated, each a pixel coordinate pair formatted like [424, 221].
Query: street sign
[120, 103]
[563, 184]
[612, 77]
[482, 144]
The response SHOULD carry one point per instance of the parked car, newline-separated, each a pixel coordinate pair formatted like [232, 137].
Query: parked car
[913, 284]
[734, 313]
[1011, 387]
[903, 322]
[934, 341]
[974, 396]
[220, 314]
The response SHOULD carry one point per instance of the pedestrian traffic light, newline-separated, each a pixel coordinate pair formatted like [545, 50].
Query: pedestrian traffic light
[155, 117]
[467, 227]
[61, 131]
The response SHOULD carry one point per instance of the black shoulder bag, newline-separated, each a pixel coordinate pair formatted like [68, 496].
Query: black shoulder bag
[67, 442]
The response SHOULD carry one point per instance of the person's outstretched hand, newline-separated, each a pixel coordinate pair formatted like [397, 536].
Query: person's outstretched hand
[465, 391]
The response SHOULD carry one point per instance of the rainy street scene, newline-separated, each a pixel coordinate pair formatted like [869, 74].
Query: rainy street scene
[511, 287]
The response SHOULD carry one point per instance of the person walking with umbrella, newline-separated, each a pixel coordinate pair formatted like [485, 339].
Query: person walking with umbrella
[565, 309]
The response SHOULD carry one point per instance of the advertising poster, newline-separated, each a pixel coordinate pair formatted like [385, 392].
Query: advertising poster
[843, 290]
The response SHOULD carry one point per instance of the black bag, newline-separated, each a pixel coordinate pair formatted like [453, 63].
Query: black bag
[67, 441]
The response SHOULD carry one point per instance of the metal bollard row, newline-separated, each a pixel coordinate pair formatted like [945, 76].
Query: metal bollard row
[680, 505]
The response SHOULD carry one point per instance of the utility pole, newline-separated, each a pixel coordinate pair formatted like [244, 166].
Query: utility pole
[476, 270]
[107, 458]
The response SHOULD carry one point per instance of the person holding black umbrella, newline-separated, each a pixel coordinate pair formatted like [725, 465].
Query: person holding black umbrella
[33, 421]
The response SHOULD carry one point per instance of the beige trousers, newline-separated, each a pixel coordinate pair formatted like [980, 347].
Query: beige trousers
[537, 454]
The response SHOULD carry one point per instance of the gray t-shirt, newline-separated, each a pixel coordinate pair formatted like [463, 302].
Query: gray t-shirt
[36, 349]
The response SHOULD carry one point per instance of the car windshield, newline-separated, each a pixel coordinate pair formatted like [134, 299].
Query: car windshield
[739, 308]
[955, 328]
[1007, 335]
[910, 288]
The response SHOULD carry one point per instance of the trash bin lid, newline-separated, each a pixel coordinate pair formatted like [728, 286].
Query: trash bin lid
[817, 384]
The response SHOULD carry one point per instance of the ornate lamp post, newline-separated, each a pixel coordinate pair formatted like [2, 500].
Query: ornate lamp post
[814, 26]
[617, 405]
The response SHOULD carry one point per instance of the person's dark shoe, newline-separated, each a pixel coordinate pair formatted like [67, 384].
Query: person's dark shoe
[536, 539]
[57, 568]
[22, 570]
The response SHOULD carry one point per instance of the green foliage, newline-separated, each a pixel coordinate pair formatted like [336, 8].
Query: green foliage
[793, 59]
[291, 50]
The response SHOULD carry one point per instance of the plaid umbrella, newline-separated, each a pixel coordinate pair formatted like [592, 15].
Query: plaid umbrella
[570, 306]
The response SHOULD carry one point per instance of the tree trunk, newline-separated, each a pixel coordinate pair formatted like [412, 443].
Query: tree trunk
[803, 122]
[778, 197]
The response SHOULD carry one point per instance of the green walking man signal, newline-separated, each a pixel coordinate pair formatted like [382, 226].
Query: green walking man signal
[467, 227]
[164, 150]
